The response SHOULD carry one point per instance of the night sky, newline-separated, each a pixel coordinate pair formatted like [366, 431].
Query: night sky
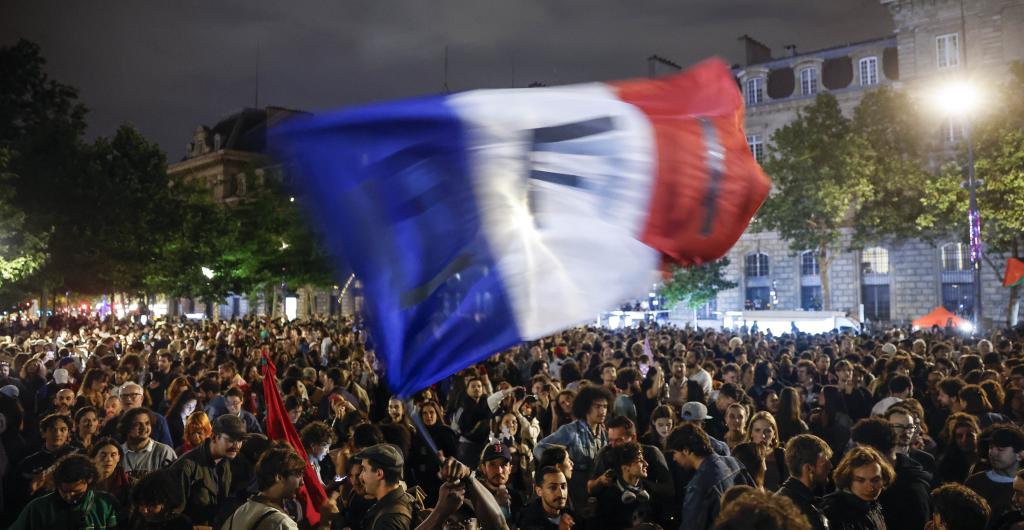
[168, 66]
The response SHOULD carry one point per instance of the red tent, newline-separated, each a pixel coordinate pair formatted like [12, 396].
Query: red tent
[1014, 272]
[940, 316]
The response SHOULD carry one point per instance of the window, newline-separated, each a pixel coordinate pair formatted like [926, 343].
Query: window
[874, 260]
[708, 310]
[956, 257]
[809, 81]
[947, 48]
[869, 71]
[958, 297]
[876, 302]
[809, 263]
[757, 265]
[758, 298]
[810, 297]
[756, 145]
[755, 90]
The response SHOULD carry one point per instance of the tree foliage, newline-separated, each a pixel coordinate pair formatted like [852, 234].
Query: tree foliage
[821, 176]
[696, 285]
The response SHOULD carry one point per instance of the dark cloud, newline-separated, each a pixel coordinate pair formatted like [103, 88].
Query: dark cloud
[169, 66]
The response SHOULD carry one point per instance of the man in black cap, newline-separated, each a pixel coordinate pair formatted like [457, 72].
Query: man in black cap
[494, 472]
[381, 475]
[205, 473]
[1005, 452]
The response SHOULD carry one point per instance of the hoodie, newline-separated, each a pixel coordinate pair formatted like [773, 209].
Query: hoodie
[846, 511]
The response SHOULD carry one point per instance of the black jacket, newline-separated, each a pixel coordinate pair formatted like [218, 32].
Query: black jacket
[846, 511]
[533, 517]
[806, 501]
[906, 502]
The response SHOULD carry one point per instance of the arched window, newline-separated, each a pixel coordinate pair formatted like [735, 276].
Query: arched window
[809, 263]
[874, 260]
[956, 257]
[757, 265]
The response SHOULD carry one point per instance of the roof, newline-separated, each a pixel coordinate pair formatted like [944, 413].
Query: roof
[824, 53]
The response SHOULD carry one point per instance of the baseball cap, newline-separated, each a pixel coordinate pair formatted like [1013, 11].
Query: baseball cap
[231, 425]
[495, 451]
[61, 376]
[694, 411]
[384, 455]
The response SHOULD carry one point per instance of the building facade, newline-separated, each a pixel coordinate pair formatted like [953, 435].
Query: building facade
[221, 158]
[934, 41]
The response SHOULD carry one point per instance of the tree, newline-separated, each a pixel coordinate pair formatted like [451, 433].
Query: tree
[999, 161]
[696, 285]
[887, 121]
[21, 252]
[821, 175]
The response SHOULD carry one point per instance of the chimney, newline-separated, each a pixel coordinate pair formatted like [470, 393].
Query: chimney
[791, 48]
[756, 51]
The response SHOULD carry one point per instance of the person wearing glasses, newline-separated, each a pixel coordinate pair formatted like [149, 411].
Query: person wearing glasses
[132, 396]
[907, 427]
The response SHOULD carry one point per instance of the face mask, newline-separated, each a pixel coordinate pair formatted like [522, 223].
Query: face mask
[663, 430]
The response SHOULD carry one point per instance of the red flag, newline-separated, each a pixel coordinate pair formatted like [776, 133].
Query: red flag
[280, 427]
[1014, 272]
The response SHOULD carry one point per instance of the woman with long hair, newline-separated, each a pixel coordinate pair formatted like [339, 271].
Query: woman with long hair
[93, 390]
[561, 409]
[957, 461]
[752, 456]
[425, 464]
[663, 420]
[831, 421]
[762, 430]
[177, 386]
[106, 453]
[184, 404]
[736, 419]
[788, 415]
[973, 400]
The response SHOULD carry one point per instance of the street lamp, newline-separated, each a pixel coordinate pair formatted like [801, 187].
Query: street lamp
[959, 100]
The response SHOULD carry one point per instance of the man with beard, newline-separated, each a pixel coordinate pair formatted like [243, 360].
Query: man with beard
[278, 477]
[205, 472]
[74, 504]
[696, 372]
[494, 472]
[809, 461]
[548, 511]
[131, 397]
[142, 454]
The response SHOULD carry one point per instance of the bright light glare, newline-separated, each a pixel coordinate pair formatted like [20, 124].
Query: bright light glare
[957, 98]
[208, 272]
[966, 326]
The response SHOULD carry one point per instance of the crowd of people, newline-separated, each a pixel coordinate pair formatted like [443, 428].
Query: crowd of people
[122, 424]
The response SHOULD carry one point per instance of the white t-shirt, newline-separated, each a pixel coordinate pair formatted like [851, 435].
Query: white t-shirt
[246, 516]
[703, 378]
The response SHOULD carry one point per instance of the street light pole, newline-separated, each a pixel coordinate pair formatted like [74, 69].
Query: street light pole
[974, 223]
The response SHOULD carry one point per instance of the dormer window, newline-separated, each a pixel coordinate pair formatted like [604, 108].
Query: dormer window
[868, 71]
[755, 90]
[809, 81]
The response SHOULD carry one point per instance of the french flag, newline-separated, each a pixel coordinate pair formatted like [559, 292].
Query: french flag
[482, 219]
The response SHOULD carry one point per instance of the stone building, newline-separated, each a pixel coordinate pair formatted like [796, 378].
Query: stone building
[220, 158]
[934, 41]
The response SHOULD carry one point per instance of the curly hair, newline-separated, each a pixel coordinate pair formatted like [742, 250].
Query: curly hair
[859, 457]
[585, 400]
[758, 510]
